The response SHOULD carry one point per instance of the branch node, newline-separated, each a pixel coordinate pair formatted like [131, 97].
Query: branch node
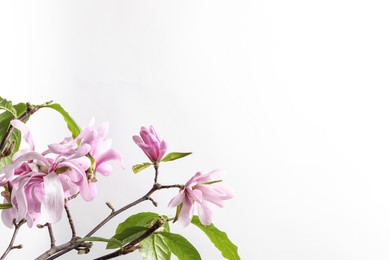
[153, 201]
[110, 206]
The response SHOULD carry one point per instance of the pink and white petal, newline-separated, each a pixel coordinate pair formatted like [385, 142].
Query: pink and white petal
[205, 213]
[222, 188]
[109, 156]
[8, 215]
[53, 200]
[104, 169]
[187, 212]
[195, 194]
[92, 189]
[193, 181]
[25, 132]
[177, 200]
[137, 140]
[211, 195]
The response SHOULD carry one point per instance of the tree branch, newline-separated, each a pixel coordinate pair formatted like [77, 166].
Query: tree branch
[56, 252]
[11, 243]
[132, 246]
[70, 220]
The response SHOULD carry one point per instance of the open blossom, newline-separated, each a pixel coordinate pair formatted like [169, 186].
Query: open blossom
[39, 183]
[201, 189]
[151, 144]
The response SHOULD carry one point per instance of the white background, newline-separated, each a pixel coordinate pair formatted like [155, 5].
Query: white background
[291, 98]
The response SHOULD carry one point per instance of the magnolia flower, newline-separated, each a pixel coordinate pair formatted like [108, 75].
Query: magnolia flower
[151, 144]
[201, 189]
[39, 183]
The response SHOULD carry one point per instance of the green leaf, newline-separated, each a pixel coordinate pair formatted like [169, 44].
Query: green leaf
[101, 239]
[180, 246]
[7, 106]
[125, 236]
[134, 226]
[219, 239]
[12, 146]
[72, 125]
[5, 206]
[139, 167]
[155, 248]
[174, 156]
[143, 219]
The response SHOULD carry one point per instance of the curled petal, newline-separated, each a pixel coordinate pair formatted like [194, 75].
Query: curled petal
[53, 198]
[205, 213]
[187, 212]
[177, 200]
[25, 132]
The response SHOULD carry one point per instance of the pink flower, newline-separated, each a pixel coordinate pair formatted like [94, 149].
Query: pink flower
[151, 144]
[39, 183]
[201, 189]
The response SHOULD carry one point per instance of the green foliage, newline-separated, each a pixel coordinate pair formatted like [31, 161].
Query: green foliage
[12, 146]
[7, 106]
[174, 156]
[72, 125]
[180, 246]
[114, 241]
[125, 236]
[219, 239]
[155, 247]
[139, 167]
[134, 226]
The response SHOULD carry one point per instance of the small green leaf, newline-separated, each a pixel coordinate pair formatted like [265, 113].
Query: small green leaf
[139, 167]
[134, 226]
[142, 219]
[5, 206]
[155, 248]
[7, 106]
[174, 156]
[72, 125]
[11, 148]
[180, 246]
[101, 239]
[219, 239]
[125, 236]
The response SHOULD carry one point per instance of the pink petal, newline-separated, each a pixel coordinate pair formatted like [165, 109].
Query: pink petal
[53, 200]
[25, 132]
[8, 215]
[205, 213]
[187, 212]
[104, 169]
[109, 156]
[176, 200]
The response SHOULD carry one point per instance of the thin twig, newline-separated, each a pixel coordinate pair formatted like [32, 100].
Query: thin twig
[63, 249]
[11, 243]
[155, 172]
[132, 246]
[51, 234]
[70, 220]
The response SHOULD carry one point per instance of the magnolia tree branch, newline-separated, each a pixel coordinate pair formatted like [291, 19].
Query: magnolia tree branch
[57, 251]
[70, 220]
[11, 243]
[30, 110]
[132, 246]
